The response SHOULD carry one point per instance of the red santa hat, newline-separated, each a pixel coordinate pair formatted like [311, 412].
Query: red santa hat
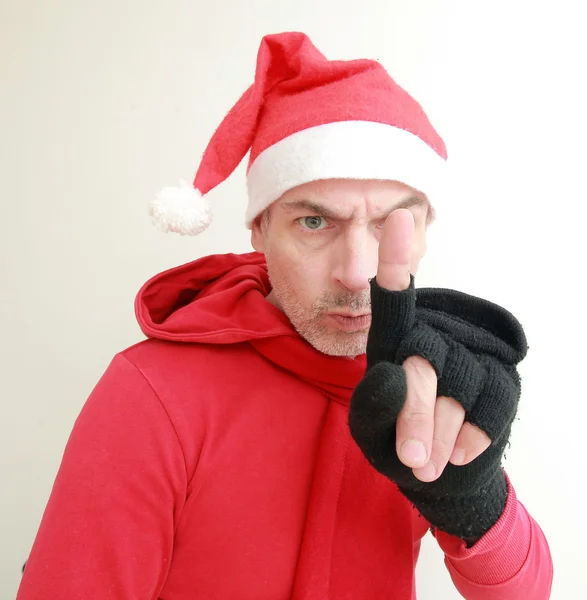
[307, 118]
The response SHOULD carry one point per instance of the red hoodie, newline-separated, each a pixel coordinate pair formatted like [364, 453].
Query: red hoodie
[214, 461]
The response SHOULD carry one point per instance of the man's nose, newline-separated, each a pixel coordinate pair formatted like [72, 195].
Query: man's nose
[355, 260]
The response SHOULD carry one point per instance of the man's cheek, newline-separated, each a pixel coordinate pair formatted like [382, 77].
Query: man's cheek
[307, 279]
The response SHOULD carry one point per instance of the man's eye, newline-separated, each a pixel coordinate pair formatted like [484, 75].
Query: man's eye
[313, 223]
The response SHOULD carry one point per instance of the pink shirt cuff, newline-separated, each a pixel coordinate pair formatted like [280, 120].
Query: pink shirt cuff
[499, 555]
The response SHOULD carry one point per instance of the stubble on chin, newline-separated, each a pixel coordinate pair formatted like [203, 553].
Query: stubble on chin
[309, 322]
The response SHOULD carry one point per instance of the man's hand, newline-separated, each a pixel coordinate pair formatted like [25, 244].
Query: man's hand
[441, 376]
[430, 430]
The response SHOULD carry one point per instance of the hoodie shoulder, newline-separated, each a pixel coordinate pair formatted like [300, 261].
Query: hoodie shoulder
[168, 364]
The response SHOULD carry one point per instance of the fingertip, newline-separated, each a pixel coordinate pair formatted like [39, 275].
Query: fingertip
[458, 457]
[413, 454]
[428, 473]
[402, 213]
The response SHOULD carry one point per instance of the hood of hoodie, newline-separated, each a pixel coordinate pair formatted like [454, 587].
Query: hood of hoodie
[221, 299]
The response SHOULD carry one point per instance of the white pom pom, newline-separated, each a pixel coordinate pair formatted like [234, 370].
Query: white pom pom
[181, 210]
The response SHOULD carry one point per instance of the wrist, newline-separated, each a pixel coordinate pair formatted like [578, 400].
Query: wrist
[467, 517]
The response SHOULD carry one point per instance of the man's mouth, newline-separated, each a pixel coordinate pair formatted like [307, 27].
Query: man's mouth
[350, 322]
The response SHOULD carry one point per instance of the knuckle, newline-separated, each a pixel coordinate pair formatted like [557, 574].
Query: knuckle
[416, 418]
[420, 402]
[451, 406]
[442, 446]
[419, 367]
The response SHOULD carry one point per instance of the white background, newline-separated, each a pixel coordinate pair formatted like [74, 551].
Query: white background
[103, 103]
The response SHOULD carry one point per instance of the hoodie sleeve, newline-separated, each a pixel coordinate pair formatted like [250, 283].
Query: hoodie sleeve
[511, 561]
[107, 531]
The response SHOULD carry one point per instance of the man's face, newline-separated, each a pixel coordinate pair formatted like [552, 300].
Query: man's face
[321, 243]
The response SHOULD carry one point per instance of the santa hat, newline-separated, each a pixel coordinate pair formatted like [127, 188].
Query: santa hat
[307, 118]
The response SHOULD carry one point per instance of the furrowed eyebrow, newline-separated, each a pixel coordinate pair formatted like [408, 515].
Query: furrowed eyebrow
[323, 211]
[313, 207]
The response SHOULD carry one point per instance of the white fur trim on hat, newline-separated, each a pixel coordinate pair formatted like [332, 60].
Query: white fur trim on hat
[343, 150]
[181, 210]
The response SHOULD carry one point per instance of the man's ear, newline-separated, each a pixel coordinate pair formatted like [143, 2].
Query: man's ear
[258, 233]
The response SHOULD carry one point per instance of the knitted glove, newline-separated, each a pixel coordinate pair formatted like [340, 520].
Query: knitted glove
[474, 347]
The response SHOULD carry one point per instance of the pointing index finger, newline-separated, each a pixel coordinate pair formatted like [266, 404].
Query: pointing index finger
[395, 251]
[393, 300]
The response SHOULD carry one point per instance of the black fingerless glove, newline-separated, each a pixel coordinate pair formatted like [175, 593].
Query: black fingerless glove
[474, 346]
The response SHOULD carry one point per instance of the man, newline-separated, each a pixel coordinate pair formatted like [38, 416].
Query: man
[300, 416]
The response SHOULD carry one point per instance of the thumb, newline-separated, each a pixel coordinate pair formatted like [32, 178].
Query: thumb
[395, 251]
